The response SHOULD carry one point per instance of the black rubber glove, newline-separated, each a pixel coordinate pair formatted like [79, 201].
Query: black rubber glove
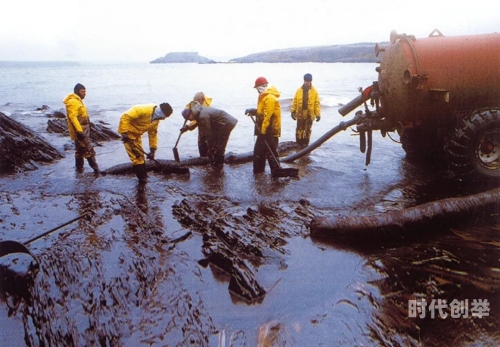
[184, 129]
[294, 117]
[251, 111]
[151, 154]
[80, 136]
[125, 138]
[318, 118]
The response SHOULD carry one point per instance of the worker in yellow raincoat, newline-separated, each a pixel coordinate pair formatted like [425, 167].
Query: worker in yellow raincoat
[133, 124]
[202, 140]
[267, 127]
[305, 108]
[79, 128]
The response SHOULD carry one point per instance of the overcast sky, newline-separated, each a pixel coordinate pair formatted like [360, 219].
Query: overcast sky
[143, 30]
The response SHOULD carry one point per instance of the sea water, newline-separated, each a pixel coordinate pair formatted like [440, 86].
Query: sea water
[112, 88]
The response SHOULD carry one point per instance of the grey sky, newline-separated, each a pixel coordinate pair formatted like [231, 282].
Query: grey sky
[131, 30]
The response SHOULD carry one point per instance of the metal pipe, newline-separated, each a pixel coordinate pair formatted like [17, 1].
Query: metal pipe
[342, 126]
[356, 102]
[57, 228]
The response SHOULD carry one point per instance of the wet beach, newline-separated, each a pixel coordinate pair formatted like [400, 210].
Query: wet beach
[139, 271]
[163, 264]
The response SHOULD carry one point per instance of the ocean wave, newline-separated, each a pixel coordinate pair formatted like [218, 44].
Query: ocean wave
[326, 101]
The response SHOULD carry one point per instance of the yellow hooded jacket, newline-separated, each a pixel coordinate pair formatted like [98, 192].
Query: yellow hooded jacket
[193, 124]
[137, 121]
[78, 119]
[313, 105]
[269, 112]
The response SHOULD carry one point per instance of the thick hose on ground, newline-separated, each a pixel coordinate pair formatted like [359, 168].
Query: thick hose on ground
[415, 221]
[342, 126]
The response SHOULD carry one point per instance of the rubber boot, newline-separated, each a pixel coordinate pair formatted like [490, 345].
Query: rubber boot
[140, 172]
[259, 164]
[144, 174]
[304, 142]
[203, 147]
[218, 161]
[79, 162]
[93, 164]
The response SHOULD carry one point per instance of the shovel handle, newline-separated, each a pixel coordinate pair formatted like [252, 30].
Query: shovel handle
[143, 152]
[177, 142]
[267, 144]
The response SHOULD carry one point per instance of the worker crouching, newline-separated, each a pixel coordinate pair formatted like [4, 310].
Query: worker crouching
[214, 125]
[202, 141]
[133, 124]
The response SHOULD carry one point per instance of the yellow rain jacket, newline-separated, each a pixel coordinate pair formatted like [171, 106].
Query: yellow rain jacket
[78, 119]
[313, 105]
[138, 120]
[269, 112]
[193, 124]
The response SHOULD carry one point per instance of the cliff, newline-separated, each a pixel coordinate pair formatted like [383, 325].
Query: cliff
[352, 53]
[182, 57]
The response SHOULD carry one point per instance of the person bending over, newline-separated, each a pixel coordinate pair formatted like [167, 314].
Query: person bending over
[133, 124]
[213, 124]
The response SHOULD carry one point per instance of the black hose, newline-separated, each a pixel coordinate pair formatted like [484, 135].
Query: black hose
[342, 126]
[369, 150]
[362, 141]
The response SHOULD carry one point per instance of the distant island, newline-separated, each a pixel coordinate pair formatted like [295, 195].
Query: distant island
[351, 53]
[182, 57]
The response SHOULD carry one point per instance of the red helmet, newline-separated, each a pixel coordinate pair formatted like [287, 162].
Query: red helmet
[260, 81]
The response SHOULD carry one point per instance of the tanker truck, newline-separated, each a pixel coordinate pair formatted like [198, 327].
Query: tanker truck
[442, 96]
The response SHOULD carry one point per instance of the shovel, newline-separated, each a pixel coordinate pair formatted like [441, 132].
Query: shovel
[164, 169]
[176, 152]
[281, 172]
[9, 247]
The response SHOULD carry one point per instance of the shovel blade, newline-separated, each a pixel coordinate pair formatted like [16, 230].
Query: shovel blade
[176, 154]
[288, 172]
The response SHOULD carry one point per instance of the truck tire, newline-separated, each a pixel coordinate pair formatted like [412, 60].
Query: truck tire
[473, 149]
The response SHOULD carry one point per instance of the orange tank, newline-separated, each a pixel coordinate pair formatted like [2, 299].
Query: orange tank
[442, 95]
[431, 79]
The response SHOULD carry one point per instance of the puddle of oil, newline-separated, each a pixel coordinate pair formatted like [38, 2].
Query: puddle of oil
[314, 297]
